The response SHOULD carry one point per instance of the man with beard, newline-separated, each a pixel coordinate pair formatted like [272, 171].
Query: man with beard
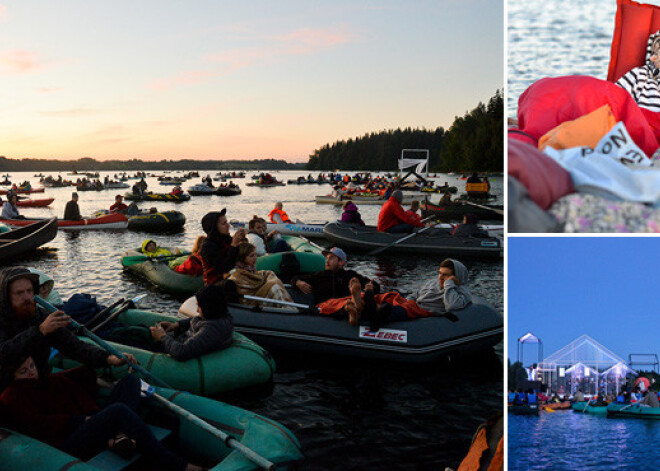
[27, 329]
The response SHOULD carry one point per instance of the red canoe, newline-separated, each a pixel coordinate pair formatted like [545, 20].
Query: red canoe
[110, 221]
[24, 192]
[33, 203]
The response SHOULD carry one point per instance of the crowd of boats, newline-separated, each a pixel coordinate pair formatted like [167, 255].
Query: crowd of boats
[286, 325]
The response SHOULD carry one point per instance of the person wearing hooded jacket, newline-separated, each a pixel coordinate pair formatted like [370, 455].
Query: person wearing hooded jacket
[151, 249]
[46, 288]
[643, 82]
[448, 292]
[219, 250]
[392, 218]
[351, 215]
[212, 331]
[27, 329]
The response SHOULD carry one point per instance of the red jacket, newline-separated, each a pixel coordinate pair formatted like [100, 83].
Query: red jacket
[414, 216]
[192, 266]
[47, 411]
[392, 214]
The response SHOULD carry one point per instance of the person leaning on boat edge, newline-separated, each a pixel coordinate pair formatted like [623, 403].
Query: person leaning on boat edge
[27, 329]
[334, 281]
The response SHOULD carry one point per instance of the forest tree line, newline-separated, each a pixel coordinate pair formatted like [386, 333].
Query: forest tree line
[87, 164]
[473, 142]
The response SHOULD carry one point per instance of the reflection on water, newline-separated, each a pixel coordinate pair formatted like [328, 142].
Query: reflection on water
[550, 38]
[348, 414]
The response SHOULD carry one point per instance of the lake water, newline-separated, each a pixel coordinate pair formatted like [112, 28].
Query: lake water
[551, 38]
[566, 440]
[348, 414]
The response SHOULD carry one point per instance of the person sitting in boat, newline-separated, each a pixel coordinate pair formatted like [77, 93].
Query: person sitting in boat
[119, 206]
[412, 212]
[136, 189]
[521, 398]
[642, 82]
[265, 243]
[219, 250]
[392, 217]
[56, 410]
[578, 396]
[151, 249]
[47, 289]
[446, 199]
[351, 215]
[338, 192]
[474, 178]
[193, 264]
[176, 191]
[448, 292]
[650, 399]
[262, 283]
[142, 185]
[470, 227]
[9, 209]
[213, 330]
[278, 215]
[27, 329]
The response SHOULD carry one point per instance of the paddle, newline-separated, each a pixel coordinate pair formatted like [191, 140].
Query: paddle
[481, 206]
[227, 439]
[135, 259]
[102, 314]
[398, 241]
[115, 314]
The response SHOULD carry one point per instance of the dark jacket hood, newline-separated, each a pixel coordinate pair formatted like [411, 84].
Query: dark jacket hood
[210, 222]
[351, 207]
[6, 277]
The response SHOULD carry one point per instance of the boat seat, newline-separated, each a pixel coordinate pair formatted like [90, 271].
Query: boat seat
[109, 461]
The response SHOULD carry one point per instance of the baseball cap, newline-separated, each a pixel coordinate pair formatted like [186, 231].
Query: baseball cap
[337, 252]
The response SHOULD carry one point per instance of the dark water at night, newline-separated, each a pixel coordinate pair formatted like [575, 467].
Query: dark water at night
[347, 413]
[567, 441]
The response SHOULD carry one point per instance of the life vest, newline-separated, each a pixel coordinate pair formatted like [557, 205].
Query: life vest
[282, 214]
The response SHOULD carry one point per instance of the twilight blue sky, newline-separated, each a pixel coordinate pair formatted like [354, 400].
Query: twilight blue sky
[561, 288]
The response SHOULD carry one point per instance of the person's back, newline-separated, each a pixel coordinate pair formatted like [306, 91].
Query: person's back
[351, 215]
[10, 211]
[579, 397]
[651, 399]
[392, 218]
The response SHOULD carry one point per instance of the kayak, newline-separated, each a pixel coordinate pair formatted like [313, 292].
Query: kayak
[159, 273]
[431, 241]
[479, 326]
[26, 239]
[110, 221]
[586, 408]
[264, 436]
[525, 409]
[566, 405]
[242, 364]
[28, 203]
[227, 191]
[633, 410]
[24, 192]
[457, 211]
[266, 185]
[157, 197]
[375, 200]
[166, 221]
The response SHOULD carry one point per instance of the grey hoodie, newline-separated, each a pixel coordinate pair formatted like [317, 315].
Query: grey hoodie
[451, 297]
[643, 82]
[21, 337]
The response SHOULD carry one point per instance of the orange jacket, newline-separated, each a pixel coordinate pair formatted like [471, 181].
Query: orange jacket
[392, 214]
[282, 214]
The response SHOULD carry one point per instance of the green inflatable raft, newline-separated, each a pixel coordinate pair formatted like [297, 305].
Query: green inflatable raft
[586, 408]
[242, 364]
[262, 435]
[616, 409]
[306, 258]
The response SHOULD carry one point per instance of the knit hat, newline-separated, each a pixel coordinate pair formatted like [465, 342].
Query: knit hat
[212, 300]
[398, 195]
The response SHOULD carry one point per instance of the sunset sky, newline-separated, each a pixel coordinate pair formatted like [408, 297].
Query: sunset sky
[236, 80]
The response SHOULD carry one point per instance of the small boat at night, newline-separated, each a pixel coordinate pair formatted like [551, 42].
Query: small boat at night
[110, 221]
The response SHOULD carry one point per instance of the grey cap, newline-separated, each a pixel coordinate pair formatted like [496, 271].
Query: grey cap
[398, 195]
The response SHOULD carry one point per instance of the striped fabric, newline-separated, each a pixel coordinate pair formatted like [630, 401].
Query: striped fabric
[643, 83]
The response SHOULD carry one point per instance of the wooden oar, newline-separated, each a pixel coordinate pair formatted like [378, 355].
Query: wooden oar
[481, 206]
[227, 439]
[135, 259]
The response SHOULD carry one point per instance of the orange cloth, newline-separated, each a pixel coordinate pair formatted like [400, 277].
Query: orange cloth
[587, 130]
[392, 214]
[395, 299]
[282, 214]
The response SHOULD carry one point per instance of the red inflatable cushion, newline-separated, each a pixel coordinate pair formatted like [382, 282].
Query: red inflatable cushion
[545, 180]
[633, 25]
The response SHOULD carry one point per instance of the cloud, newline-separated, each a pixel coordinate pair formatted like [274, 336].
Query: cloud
[49, 89]
[21, 62]
[71, 113]
[299, 42]
[3, 12]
